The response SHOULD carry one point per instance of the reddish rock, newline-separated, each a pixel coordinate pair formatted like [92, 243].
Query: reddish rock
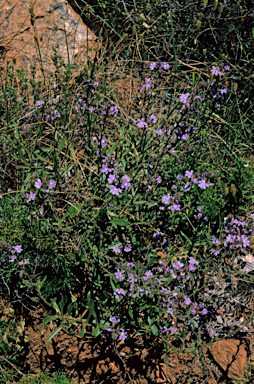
[231, 356]
[46, 22]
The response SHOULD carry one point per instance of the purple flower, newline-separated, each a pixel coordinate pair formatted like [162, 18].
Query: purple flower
[178, 265]
[215, 70]
[193, 312]
[174, 207]
[114, 319]
[153, 119]
[159, 132]
[245, 241]
[119, 292]
[40, 102]
[185, 136]
[159, 180]
[141, 123]
[116, 249]
[192, 267]
[12, 258]
[174, 186]
[170, 312]
[123, 335]
[114, 190]
[223, 90]
[165, 65]
[38, 184]
[227, 68]
[204, 312]
[52, 184]
[17, 248]
[203, 184]
[152, 65]
[187, 301]
[118, 274]
[57, 114]
[173, 330]
[130, 265]
[179, 177]
[47, 118]
[128, 249]
[189, 174]
[105, 169]
[172, 150]
[157, 234]
[113, 110]
[184, 98]
[111, 179]
[126, 182]
[212, 333]
[147, 275]
[30, 197]
[165, 199]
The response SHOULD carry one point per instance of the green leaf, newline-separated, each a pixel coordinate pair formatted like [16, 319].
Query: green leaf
[186, 237]
[96, 331]
[165, 358]
[152, 205]
[43, 158]
[91, 309]
[48, 319]
[155, 330]
[137, 202]
[112, 285]
[54, 333]
[62, 303]
[130, 313]
[70, 307]
[61, 146]
[121, 223]
[82, 332]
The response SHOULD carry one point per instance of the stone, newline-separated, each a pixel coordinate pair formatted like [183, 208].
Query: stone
[24, 27]
[231, 356]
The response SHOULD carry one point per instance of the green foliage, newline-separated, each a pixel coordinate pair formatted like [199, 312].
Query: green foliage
[70, 232]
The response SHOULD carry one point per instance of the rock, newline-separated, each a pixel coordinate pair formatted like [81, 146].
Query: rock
[231, 356]
[47, 22]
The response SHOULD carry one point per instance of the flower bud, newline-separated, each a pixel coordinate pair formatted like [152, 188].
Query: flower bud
[145, 25]
[125, 36]
[134, 28]
[204, 52]
[215, 4]
[56, 28]
[220, 7]
[226, 189]
[198, 25]
[31, 11]
[235, 86]
[195, 41]
[205, 3]
[142, 16]
[41, 38]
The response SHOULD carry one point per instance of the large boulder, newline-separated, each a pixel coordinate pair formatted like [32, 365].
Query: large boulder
[26, 25]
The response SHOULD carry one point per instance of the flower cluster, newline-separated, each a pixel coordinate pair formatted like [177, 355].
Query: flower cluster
[117, 184]
[161, 66]
[80, 105]
[53, 115]
[114, 320]
[39, 184]
[149, 284]
[235, 236]
[17, 249]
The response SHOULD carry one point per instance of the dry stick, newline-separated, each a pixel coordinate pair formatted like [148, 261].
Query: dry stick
[23, 374]
[123, 363]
